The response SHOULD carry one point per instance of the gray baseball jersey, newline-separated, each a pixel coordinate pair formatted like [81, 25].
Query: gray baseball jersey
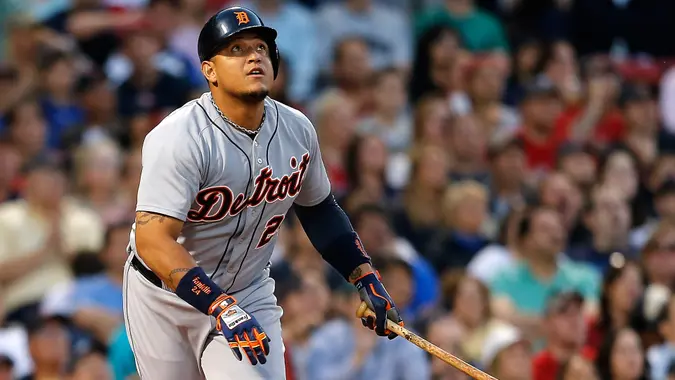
[231, 190]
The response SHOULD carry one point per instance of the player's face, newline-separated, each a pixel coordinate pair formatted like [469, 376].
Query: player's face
[242, 69]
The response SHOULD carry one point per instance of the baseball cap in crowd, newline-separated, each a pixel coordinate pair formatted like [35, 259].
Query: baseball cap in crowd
[633, 93]
[497, 340]
[560, 301]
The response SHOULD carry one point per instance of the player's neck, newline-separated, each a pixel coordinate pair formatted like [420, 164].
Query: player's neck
[247, 115]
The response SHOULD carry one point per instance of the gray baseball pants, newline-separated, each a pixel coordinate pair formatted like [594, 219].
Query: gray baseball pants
[173, 341]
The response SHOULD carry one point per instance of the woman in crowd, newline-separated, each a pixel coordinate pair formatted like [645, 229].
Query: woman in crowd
[621, 290]
[420, 217]
[621, 357]
[365, 164]
[469, 300]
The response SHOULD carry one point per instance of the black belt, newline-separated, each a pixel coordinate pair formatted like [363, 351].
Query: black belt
[145, 272]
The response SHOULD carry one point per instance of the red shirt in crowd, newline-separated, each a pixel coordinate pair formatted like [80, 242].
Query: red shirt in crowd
[542, 155]
[545, 366]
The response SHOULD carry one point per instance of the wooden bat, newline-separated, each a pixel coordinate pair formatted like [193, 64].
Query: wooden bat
[364, 311]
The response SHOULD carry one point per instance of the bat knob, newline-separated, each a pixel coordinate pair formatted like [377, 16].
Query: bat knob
[361, 311]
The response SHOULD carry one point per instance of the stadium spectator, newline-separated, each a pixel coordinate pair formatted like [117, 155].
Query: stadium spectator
[352, 70]
[507, 177]
[465, 221]
[507, 354]
[621, 357]
[59, 104]
[92, 366]
[607, 218]
[100, 119]
[578, 367]
[578, 162]
[661, 356]
[98, 169]
[336, 120]
[469, 300]
[521, 291]
[480, 30]
[564, 329]
[437, 51]
[467, 143]
[486, 85]
[664, 207]
[27, 130]
[366, 164]
[384, 29]
[38, 235]
[622, 287]
[540, 107]
[390, 120]
[148, 89]
[49, 344]
[432, 116]
[448, 334]
[500, 254]
[558, 192]
[419, 216]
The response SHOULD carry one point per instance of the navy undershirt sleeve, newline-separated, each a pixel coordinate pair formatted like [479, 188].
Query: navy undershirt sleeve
[330, 231]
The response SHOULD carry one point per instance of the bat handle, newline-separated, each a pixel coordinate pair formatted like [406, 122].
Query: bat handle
[364, 311]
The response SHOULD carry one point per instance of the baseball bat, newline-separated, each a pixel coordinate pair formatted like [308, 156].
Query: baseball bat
[364, 311]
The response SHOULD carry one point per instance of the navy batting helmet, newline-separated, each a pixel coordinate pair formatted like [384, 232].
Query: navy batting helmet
[228, 22]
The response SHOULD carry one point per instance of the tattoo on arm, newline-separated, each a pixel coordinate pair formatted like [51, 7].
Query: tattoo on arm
[356, 273]
[176, 271]
[147, 217]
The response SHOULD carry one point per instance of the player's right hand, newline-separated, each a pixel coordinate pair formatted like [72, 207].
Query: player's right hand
[240, 329]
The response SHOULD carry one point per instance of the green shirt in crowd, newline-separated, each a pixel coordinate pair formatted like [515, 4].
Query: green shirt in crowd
[480, 31]
[529, 294]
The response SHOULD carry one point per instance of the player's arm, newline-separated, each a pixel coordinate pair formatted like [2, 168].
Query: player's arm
[157, 246]
[330, 231]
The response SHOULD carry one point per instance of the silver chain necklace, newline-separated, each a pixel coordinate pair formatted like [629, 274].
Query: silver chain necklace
[235, 125]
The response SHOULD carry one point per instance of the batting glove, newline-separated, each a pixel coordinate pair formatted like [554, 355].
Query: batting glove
[240, 329]
[373, 293]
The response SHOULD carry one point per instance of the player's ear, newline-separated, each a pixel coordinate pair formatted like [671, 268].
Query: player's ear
[209, 71]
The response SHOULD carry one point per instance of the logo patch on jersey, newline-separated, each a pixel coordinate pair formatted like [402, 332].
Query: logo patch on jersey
[215, 203]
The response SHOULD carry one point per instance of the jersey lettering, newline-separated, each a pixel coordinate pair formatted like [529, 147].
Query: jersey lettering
[215, 203]
[271, 228]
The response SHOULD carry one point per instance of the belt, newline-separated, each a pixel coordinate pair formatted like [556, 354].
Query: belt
[145, 272]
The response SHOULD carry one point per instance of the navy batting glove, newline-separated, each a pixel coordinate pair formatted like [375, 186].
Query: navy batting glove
[240, 329]
[373, 293]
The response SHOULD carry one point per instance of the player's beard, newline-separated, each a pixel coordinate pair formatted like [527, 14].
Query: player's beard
[255, 96]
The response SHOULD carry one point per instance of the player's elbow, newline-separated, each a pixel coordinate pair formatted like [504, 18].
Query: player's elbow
[154, 233]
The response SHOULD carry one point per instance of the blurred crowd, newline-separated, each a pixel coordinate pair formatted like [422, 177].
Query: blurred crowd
[508, 164]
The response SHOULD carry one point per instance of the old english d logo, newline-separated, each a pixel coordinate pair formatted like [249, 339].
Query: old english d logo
[242, 17]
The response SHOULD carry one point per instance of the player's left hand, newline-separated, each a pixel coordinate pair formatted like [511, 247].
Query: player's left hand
[241, 330]
[373, 293]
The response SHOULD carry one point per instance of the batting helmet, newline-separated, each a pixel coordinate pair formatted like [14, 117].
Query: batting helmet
[228, 22]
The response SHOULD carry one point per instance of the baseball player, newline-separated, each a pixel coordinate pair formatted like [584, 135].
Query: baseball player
[219, 175]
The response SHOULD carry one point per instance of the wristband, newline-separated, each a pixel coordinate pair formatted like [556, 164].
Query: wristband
[197, 289]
